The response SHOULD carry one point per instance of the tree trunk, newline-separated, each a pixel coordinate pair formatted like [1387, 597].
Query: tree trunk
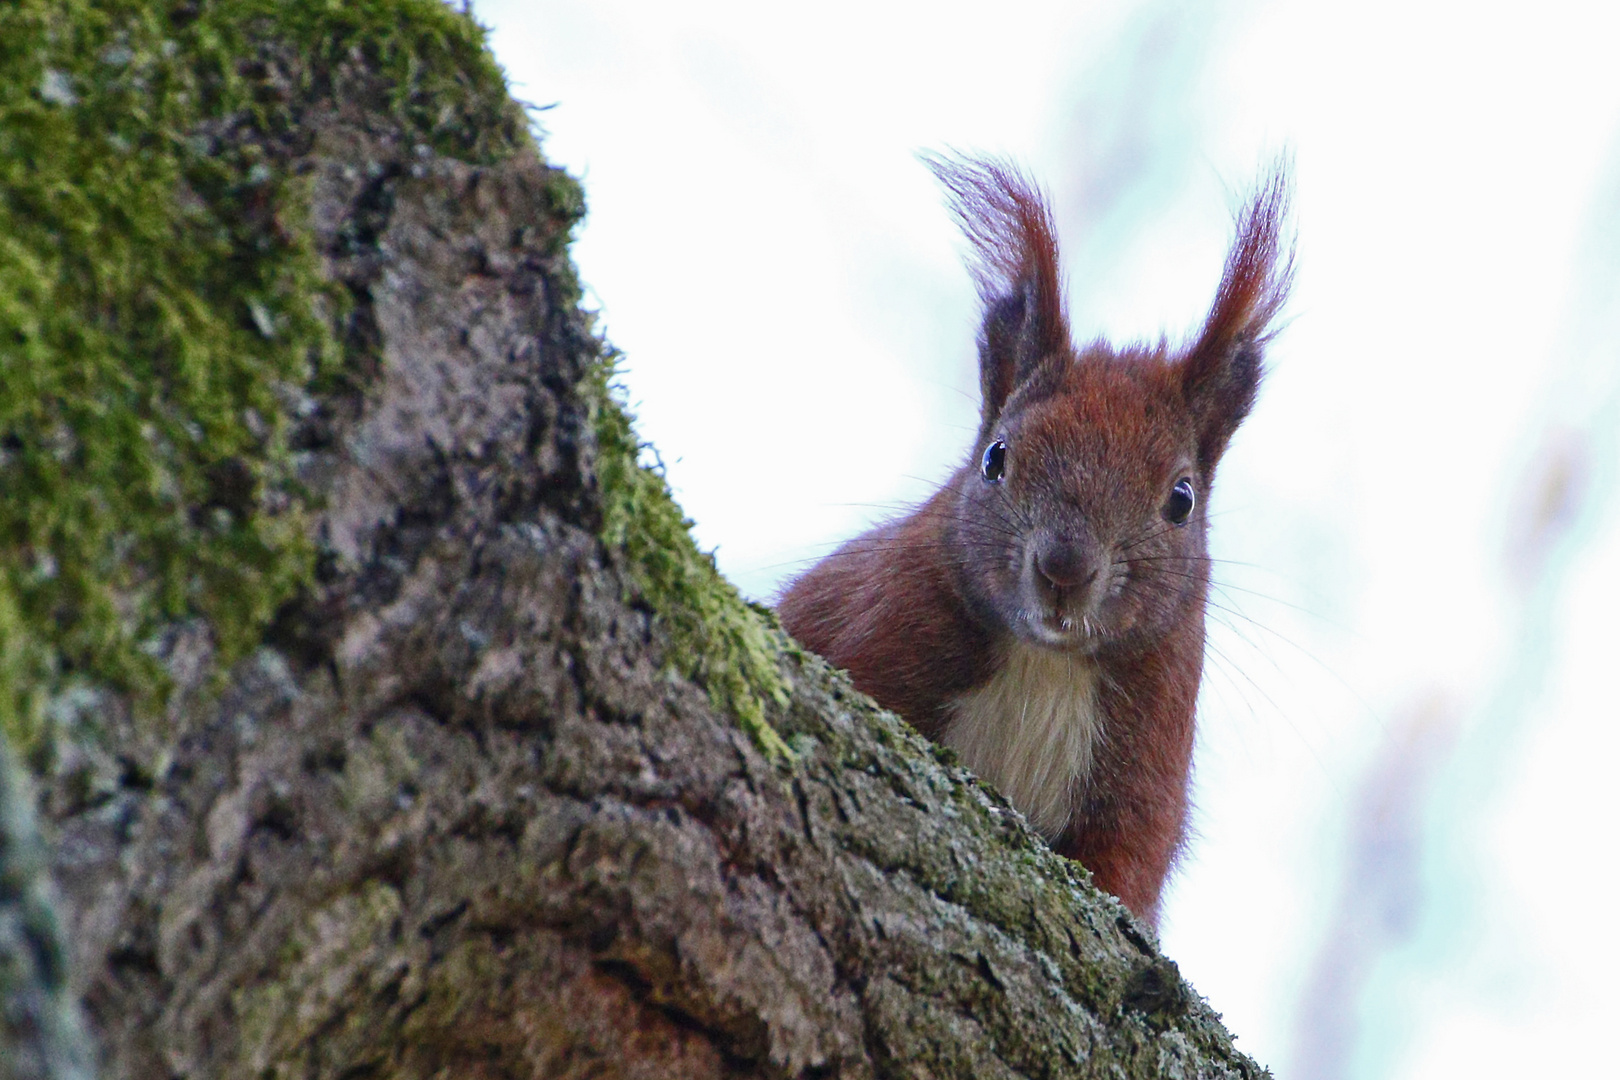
[515, 785]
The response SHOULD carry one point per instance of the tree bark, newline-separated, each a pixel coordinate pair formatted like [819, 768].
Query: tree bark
[491, 800]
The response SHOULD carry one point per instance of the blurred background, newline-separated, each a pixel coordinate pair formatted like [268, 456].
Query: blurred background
[1405, 802]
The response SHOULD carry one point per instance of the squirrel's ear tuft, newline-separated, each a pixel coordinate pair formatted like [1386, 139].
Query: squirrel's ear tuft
[1220, 374]
[1006, 218]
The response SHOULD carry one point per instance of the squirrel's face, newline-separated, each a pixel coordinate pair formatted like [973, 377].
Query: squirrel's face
[1079, 521]
[1081, 517]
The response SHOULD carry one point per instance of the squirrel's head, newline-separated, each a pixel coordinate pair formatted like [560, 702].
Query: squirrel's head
[1079, 518]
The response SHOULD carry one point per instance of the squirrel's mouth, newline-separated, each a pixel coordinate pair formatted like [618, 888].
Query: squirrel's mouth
[1066, 618]
[1060, 630]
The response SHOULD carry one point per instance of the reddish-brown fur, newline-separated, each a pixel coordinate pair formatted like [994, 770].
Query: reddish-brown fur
[1075, 547]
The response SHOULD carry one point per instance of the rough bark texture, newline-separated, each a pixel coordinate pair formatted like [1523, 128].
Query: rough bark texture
[472, 809]
[41, 1034]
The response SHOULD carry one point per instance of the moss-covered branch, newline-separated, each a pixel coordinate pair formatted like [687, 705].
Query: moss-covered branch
[385, 718]
[162, 308]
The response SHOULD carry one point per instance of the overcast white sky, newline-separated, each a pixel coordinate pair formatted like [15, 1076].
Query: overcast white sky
[1405, 778]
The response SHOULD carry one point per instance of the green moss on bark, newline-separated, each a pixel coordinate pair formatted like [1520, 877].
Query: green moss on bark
[162, 308]
[715, 638]
[323, 960]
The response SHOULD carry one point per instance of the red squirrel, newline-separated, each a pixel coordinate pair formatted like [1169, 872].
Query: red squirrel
[1042, 613]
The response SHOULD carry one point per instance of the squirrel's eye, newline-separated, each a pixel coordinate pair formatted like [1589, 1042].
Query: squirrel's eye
[994, 463]
[1179, 506]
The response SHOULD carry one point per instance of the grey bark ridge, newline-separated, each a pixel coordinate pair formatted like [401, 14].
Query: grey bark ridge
[457, 818]
[41, 1032]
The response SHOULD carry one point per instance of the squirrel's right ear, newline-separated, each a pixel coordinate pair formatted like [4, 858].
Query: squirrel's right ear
[1007, 220]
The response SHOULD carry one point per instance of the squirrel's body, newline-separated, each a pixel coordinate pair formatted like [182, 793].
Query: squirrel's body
[1043, 612]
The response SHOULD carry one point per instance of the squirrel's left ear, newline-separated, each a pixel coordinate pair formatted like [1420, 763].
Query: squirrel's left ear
[1220, 374]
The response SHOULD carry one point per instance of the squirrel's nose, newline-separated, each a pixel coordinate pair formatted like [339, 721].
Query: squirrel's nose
[1065, 564]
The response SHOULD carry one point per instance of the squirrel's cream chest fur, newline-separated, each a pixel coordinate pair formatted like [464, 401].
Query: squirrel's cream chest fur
[1030, 731]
